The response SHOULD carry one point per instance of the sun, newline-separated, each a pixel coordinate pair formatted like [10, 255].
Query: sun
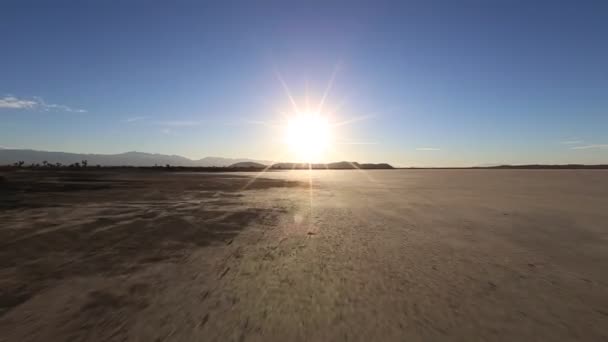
[308, 136]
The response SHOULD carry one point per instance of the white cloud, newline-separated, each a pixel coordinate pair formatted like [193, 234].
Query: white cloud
[588, 147]
[428, 149]
[571, 142]
[36, 103]
[12, 102]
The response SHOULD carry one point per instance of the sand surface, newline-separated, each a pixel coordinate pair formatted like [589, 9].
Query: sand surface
[395, 255]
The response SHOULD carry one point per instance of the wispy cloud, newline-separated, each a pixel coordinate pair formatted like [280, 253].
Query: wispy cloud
[35, 103]
[51, 106]
[240, 122]
[134, 118]
[589, 147]
[179, 123]
[428, 149]
[571, 142]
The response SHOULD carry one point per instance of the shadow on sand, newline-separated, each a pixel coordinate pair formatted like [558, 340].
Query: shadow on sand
[58, 225]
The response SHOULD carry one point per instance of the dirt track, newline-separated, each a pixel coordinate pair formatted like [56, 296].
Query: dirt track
[465, 255]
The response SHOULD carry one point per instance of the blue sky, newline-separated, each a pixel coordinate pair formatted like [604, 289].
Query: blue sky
[432, 82]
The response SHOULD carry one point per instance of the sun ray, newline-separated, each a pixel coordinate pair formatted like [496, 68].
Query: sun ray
[286, 88]
[331, 112]
[284, 115]
[364, 172]
[272, 162]
[310, 219]
[308, 133]
[352, 120]
[307, 97]
[328, 88]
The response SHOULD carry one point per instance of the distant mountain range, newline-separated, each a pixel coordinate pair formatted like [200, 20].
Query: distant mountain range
[11, 156]
[29, 157]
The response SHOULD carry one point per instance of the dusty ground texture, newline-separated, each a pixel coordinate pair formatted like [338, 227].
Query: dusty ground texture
[462, 255]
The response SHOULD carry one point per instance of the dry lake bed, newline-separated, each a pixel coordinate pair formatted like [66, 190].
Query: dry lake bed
[392, 255]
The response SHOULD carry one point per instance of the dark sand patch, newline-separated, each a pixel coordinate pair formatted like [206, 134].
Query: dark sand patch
[65, 224]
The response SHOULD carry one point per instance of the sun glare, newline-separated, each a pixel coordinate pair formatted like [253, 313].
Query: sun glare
[308, 136]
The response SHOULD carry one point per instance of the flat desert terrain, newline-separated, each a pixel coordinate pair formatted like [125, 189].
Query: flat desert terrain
[391, 255]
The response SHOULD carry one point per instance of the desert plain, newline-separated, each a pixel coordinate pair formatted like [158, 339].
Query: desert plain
[376, 255]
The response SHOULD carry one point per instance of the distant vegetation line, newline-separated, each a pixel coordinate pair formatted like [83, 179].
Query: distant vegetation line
[247, 166]
[282, 167]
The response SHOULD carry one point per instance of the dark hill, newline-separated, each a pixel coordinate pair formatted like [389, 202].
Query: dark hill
[248, 165]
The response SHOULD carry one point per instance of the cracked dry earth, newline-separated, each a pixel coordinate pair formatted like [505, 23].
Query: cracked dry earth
[463, 255]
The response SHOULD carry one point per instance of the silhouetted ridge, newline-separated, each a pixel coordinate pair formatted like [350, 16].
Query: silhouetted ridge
[332, 166]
